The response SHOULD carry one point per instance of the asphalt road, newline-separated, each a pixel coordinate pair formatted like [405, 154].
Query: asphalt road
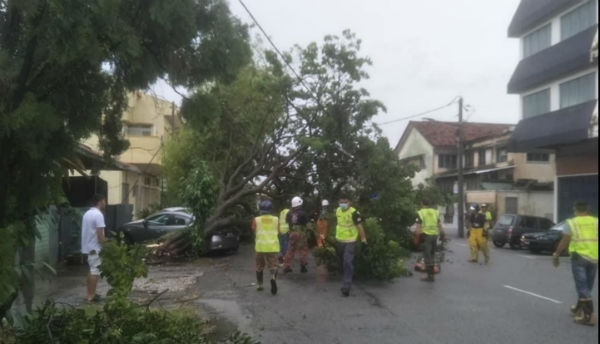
[517, 298]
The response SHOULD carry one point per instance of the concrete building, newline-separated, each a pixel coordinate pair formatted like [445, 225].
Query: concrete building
[556, 80]
[147, 123]
[509, 182]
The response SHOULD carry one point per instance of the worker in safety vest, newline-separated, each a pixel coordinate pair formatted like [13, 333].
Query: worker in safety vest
[487, 213]
[349, 227]
[297, 220]
[323, 223]
[581, 236]
[265, 228]
[429, 227]
[284, 234]
[478, 236]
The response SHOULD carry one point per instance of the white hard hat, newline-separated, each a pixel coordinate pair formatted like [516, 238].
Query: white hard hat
[296, 202]
[324, 203]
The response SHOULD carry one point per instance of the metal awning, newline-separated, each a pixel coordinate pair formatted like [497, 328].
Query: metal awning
[475, 171]
[561, 127]
[92, 160]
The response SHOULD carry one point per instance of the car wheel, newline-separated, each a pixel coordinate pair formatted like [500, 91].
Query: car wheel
[535, 251]
[499, 244]
[515, 246]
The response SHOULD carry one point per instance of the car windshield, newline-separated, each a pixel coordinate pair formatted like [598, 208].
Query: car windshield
[506, 220]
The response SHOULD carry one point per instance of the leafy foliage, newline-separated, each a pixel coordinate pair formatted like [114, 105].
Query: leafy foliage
[121, 264]
[199, 195]
[65, 68]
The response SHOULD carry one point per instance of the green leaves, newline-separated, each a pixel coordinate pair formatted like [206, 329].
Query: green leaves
[121, 264]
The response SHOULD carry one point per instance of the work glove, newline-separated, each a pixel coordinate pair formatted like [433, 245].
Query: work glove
[555, 260]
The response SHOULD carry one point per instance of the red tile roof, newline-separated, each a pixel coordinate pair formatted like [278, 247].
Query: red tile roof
[444, 134]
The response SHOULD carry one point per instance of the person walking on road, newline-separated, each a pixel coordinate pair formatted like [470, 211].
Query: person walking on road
[580, 235]
[265, 228]
[429, 227]
[92, 238]
[284, 234]
[349, 227]
[297, 220]
[323, 223]
[478, 236]
[487, 213]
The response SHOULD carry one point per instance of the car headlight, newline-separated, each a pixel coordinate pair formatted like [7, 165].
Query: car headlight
[216, 239]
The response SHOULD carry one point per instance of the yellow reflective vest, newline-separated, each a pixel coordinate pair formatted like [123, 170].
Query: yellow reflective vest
[584, 237]
[283, 225]
[429, 221]
[345, 230]
[267, 240]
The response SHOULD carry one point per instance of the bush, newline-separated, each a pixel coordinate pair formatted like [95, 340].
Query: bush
[380, 259]
[119, 320]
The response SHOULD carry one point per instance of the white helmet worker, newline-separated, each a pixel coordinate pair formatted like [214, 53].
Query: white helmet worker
[324, 203]
[296, 202]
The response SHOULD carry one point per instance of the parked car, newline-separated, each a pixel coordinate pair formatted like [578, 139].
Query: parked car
[156, 225]
[510, 227]
[545, 241]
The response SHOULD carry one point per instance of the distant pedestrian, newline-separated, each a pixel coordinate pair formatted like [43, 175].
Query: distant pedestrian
[297, 220]
[349, 227]
[265, 228]
[323, 223]
[488, 214]
[478, 236]
[580, 235]
[284, 234]
[92, 238]
[429, 226]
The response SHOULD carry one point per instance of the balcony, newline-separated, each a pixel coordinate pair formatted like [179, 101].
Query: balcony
[565, 58]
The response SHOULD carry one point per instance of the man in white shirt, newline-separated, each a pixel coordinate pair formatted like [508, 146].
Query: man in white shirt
[92, 237]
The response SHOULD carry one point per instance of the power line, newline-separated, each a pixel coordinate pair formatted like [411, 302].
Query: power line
[283, 57]
[419, 114]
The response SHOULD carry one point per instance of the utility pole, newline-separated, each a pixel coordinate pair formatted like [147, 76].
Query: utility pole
[459, 161]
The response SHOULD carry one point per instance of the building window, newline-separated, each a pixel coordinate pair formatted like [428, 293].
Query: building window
[578, 90]
[139, 129]
[481, 159]
[536, 41]
[501, 155]
[469, 163]
[578, 20]
[538, 157]
[536, 104]
[447, 161]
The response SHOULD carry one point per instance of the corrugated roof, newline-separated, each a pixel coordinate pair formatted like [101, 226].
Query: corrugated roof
[444, 134]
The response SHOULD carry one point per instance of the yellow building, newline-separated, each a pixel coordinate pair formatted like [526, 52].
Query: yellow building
[147, 123]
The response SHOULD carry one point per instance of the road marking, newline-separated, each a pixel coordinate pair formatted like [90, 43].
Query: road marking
[532, 294]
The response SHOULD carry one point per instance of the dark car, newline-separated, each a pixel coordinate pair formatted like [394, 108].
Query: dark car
[510, 227]
[545, 241]
[174, 219]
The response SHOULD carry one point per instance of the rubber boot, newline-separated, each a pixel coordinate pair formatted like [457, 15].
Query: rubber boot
[576, 308]
[429, 277]
[274, 282]
[259, 281]
[586, 315]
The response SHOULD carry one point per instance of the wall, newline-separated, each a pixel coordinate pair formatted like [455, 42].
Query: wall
[536, 203]
[543, 172]
[416, 144]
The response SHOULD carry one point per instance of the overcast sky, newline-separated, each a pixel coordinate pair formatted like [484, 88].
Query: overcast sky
[424, 52]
